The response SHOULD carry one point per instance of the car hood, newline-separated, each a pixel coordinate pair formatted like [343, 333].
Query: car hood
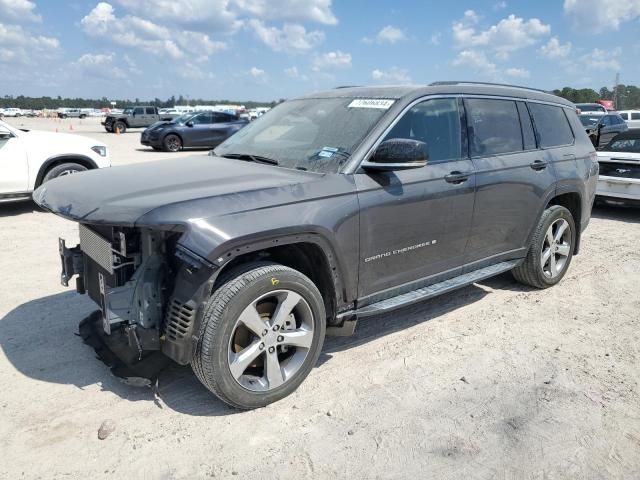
[51, 139]
[122, 195]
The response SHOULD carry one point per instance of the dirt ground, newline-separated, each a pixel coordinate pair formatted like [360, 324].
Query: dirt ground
[492, 381]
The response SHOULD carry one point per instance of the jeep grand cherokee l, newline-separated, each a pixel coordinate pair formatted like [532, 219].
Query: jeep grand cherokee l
[332, 208]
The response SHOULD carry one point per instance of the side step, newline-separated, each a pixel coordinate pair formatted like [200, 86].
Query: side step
[435, 289]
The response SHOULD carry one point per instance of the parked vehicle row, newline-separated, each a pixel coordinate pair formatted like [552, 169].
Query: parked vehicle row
[135, 117]
[30, 158]
[619, 180]
[602, 128]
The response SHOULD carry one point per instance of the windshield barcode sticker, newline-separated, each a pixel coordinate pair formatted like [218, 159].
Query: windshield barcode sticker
[371, 103]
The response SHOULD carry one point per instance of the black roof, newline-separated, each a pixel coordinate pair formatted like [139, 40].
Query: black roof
[410, 92]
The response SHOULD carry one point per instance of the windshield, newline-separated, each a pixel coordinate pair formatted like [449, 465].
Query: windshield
[127, 111]
[631, 145]
[182, 119]
[310, 134]
[589, 120]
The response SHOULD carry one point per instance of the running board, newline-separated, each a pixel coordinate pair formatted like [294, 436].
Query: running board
[436, 289]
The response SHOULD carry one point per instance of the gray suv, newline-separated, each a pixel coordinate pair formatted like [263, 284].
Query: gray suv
[329, 209]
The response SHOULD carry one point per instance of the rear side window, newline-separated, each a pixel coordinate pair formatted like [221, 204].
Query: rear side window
[552, 125]
[625, 116]
[528, 135]
[635, 116]
[494, 127]
[151, 111]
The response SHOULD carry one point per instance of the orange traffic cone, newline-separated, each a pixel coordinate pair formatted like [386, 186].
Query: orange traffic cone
[117, 130]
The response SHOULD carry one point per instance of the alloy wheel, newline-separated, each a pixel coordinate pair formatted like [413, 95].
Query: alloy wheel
[556, 248]
[270, 340]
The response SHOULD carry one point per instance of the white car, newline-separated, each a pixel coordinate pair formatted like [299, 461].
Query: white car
[631, 117]
[619, 180]
[30, 158]
[11, 112]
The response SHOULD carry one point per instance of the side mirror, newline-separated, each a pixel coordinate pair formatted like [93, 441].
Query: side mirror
[398, 154]
[189, 123]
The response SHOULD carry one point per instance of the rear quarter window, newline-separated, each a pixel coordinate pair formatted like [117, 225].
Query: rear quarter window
[635, 116]
[552, 125]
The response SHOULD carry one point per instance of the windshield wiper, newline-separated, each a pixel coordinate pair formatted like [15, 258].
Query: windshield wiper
[251, 158]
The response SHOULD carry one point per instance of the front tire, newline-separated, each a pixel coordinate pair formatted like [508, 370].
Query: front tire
[120, 127]
[551, 249]
[172, 143]
[62, 170]
[261, 334]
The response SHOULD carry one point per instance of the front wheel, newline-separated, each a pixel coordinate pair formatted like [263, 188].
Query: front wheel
[119, 127]
[172, 143]
[261, 334]
[551, 249]
[62, 170]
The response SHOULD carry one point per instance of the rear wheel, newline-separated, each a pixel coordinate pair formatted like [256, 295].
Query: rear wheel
[62, 170]
[261, 334]
[172, 143]
[551, 249]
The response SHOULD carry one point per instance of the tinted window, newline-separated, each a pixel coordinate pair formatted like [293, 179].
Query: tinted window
[528, 135]
[625, 116]
[138, 111]
[618, 120]
[635, 116]
[151, 111]
[219, 117]
[626, 145]
[435, 122]
[201, 118]
[607, 121]
[552, 125]
[494, 127]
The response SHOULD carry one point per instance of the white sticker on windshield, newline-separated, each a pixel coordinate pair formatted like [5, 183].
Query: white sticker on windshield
[371, 103]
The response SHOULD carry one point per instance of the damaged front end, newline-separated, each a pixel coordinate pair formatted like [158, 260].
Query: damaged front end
[149, 290]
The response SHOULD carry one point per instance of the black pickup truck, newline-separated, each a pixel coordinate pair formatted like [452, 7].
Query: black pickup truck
[330, 209]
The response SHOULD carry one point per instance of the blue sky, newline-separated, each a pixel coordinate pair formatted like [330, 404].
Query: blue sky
[271, 49]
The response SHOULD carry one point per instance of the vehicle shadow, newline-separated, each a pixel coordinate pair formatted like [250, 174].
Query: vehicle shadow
[18, 208]
[40, 340]
[623, 214]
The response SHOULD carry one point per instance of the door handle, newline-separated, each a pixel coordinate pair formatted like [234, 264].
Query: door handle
[538, 165]
[457, 177]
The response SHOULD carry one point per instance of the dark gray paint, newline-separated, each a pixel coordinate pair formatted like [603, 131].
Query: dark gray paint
[229, 206]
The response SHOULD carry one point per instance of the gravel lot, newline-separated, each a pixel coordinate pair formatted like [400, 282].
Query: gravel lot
[492, 381]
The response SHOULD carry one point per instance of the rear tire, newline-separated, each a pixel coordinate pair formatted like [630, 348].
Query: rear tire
[62, 170]
[551, 249]
[261, 334]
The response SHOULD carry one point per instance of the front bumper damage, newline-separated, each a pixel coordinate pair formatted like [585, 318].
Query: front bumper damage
[148, 291]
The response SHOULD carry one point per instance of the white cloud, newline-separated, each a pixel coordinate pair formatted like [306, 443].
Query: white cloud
[507, 36]
[393, 75]
[477, 60]
[293, 72]
[390, 34]
[18, 11]
[599, 59]
[99, 65]
[500, 5]
[318, 11]
[20, 46]
[257, 73]
[436, 38]
[600, 15]
[292, 38]
[517, 72]
[554, 49]
[332, 60]
[135, 32]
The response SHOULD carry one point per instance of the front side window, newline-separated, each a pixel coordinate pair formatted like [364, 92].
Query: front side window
[201, 118]
[435, 122]
[315, 134]
[552, 125]
[606, 121]
[494, 127]
[625, 116]
[138, 111]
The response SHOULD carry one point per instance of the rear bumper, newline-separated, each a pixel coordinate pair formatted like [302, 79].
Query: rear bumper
[619, 187]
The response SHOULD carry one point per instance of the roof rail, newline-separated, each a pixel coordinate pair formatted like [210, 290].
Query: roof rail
[464, 82]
